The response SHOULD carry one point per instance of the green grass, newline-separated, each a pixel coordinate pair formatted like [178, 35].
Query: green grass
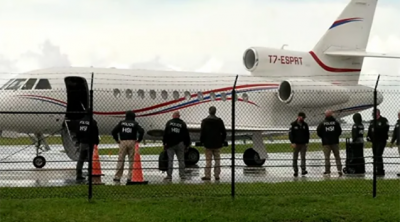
[240, 148]
[105, 139]
[51, 140]
[340, 200]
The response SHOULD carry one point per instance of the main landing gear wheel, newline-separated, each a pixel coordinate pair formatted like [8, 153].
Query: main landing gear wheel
[192, 156]
[39, 161]
[252, 159]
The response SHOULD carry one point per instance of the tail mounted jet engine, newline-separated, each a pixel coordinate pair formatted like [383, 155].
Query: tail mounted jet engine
[300, 92]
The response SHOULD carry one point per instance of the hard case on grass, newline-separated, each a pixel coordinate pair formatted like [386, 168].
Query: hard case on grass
[163, 161]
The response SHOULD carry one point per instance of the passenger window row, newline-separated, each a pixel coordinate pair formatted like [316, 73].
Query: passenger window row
[26, 84]
[175, 95]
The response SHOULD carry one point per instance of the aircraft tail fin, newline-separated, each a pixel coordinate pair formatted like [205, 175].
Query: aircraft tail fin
[350, 32]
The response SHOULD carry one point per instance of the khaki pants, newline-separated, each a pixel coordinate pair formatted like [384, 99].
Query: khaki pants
[302, 150]
[327, 152]
[126, 147]
[217, 158]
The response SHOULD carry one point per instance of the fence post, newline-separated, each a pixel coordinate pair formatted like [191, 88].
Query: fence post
[233, 137]
[374, 144]
[90, 168]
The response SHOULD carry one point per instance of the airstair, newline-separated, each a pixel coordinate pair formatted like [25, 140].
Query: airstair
[69, 139]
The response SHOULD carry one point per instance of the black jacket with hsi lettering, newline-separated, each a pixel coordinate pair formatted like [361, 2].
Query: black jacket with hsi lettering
[128, 129]
[87, 133]
[299, 134]
[329, 131]
[175, 132]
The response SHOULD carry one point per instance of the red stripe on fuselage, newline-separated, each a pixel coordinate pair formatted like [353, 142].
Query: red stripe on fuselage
[166, 103]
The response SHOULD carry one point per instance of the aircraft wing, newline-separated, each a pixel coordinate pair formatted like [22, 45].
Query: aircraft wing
[362, 54]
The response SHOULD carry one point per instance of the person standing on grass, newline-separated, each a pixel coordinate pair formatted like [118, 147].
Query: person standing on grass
[299, 136]
[329, 131]
[212, 136]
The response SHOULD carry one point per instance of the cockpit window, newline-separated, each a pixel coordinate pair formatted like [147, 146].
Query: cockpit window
[43, 84]
[8, 82]
[29, 84]
[16, 84]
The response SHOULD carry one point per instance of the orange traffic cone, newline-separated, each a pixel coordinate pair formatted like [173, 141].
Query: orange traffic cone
[137, 174]
[96, 168]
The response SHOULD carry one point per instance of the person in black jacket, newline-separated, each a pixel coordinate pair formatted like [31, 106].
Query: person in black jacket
[329, 131]
[355, 162]
[87, 137]
[379, 140]
[357, 131]
[299, 136]
[396, 135]
[130, 133]
[212, 136]
[176, 140]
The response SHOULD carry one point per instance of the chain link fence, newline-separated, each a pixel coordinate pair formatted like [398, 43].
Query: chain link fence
[39, 148]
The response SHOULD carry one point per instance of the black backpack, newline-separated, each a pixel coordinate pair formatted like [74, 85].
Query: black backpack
[163, 161]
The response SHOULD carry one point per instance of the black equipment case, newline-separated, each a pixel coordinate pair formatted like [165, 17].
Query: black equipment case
[355, 163]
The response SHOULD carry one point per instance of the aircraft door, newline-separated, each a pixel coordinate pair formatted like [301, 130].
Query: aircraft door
[77, 97]
[77, 101]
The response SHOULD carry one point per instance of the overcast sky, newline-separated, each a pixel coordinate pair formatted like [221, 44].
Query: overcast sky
[186, 34]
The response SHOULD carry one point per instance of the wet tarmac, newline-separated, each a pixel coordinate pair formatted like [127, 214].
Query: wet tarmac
[18, 170]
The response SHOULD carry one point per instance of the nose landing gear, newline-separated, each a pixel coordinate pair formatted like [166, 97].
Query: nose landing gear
[41, 146]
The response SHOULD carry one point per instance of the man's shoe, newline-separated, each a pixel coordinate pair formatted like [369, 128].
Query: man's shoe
[80, 178]
[296, 174]
[205, 178]
[168, 178]
[398, 174]
[183, 178]
[340, 174]
[326, 173]
[116, 180]
[216, 178]
[304, 172]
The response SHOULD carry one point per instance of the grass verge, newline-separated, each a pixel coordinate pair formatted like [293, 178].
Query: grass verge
[105, 139]
[240, 148]
[342, 200]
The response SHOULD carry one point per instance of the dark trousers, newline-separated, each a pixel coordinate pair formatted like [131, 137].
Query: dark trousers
[179, 150]
[378, 153]
[83, 156]
[302, 149]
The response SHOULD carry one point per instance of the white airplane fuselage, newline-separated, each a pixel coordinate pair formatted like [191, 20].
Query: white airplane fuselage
[116, 91]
